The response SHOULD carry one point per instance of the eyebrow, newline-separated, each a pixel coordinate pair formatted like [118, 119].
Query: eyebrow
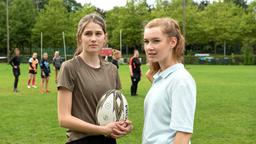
[93, 30]
[151, 38]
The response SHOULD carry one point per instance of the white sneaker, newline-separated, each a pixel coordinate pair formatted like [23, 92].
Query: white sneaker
[34, 86]
[28, 86]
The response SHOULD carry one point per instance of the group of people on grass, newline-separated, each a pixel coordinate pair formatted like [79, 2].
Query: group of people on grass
[32, 70]
[169, 105]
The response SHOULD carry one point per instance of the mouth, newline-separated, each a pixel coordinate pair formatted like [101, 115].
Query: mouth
[93, 45]
[151, 54]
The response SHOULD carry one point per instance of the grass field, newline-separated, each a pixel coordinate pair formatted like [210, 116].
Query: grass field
[225, 114]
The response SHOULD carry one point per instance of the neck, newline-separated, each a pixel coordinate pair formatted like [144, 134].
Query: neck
[92, 59]
[166, 63]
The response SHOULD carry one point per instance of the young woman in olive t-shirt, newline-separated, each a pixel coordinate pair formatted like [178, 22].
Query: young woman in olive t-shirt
[81, 83]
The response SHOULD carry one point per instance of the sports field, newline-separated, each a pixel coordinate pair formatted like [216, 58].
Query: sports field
[225, 114]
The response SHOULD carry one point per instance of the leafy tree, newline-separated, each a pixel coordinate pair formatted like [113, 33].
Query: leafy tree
[130, 20]
[222, 23]
[39, 4]
[74, 19]
[22, 19]
[51, 21]
[72, 5]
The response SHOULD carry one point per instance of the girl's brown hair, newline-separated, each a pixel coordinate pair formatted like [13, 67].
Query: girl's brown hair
[171, 28]
[93, 17]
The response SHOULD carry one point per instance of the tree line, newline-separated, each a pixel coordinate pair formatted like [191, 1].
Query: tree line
[210, 26]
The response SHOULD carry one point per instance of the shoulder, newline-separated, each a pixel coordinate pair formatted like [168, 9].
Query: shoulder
[69, 64]
[109, 66]
[131, 59]
[183, 77]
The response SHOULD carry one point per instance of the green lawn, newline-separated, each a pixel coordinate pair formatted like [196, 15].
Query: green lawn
[225, 114]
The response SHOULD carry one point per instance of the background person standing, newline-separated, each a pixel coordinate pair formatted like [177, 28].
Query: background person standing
[33, 62]
[45, 73]
[15, 63]
[135, 71]
[57, 60]
[116, 56]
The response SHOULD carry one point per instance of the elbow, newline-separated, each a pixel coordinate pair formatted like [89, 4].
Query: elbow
[63, 120]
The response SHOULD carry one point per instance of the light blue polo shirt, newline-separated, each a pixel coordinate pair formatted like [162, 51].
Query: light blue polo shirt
[169, 105]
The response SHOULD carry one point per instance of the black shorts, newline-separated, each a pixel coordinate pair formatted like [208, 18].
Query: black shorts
[46, 75]
[32, 72]
[94, 140]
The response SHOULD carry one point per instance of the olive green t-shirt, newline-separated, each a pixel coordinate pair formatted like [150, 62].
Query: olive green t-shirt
[87, 85]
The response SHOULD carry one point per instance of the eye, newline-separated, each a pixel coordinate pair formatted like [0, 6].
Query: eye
[98, 33]
[88, 33]
[156, 41]
[146, 41]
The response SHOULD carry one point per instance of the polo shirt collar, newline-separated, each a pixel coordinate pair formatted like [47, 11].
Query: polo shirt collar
[164, 74]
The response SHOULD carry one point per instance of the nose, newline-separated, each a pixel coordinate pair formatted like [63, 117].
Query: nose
[93, 38]
[148, 46]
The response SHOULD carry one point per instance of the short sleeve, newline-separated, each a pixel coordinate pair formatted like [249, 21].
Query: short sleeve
[66, 76]
[131, 61]
[30, 60]
[183, 105]
[118, 82]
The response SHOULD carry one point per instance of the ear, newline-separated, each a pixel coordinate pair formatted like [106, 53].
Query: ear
[173, 42]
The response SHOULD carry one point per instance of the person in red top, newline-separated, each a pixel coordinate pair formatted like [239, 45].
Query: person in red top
[135, 71]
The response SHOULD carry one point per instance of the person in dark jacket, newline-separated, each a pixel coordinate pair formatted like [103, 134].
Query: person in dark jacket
[15, 63]
[135, 72]
[45, 73]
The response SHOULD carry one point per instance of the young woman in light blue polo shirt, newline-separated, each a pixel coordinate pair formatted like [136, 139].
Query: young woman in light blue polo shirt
[170, 103]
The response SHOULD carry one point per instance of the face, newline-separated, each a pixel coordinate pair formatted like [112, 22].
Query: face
[117, 55]
[34, 55]
[136, 53]
[45, 56]
[56, 54]
[158, 46]
[17, 52]
[93, 38]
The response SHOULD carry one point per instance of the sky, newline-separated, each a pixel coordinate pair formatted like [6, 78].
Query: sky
[109, 4]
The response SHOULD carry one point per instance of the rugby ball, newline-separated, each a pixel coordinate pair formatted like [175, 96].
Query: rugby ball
[112, 107]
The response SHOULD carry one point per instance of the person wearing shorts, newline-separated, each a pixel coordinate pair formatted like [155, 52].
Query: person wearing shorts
[57, 61]
[33, 62]
[169, 105]
[45, 74]
[82, 81]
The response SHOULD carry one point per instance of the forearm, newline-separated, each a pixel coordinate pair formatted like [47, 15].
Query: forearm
[130, 67]
[182, 138]
[30, 65]
[76, 124]
[11, 63]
